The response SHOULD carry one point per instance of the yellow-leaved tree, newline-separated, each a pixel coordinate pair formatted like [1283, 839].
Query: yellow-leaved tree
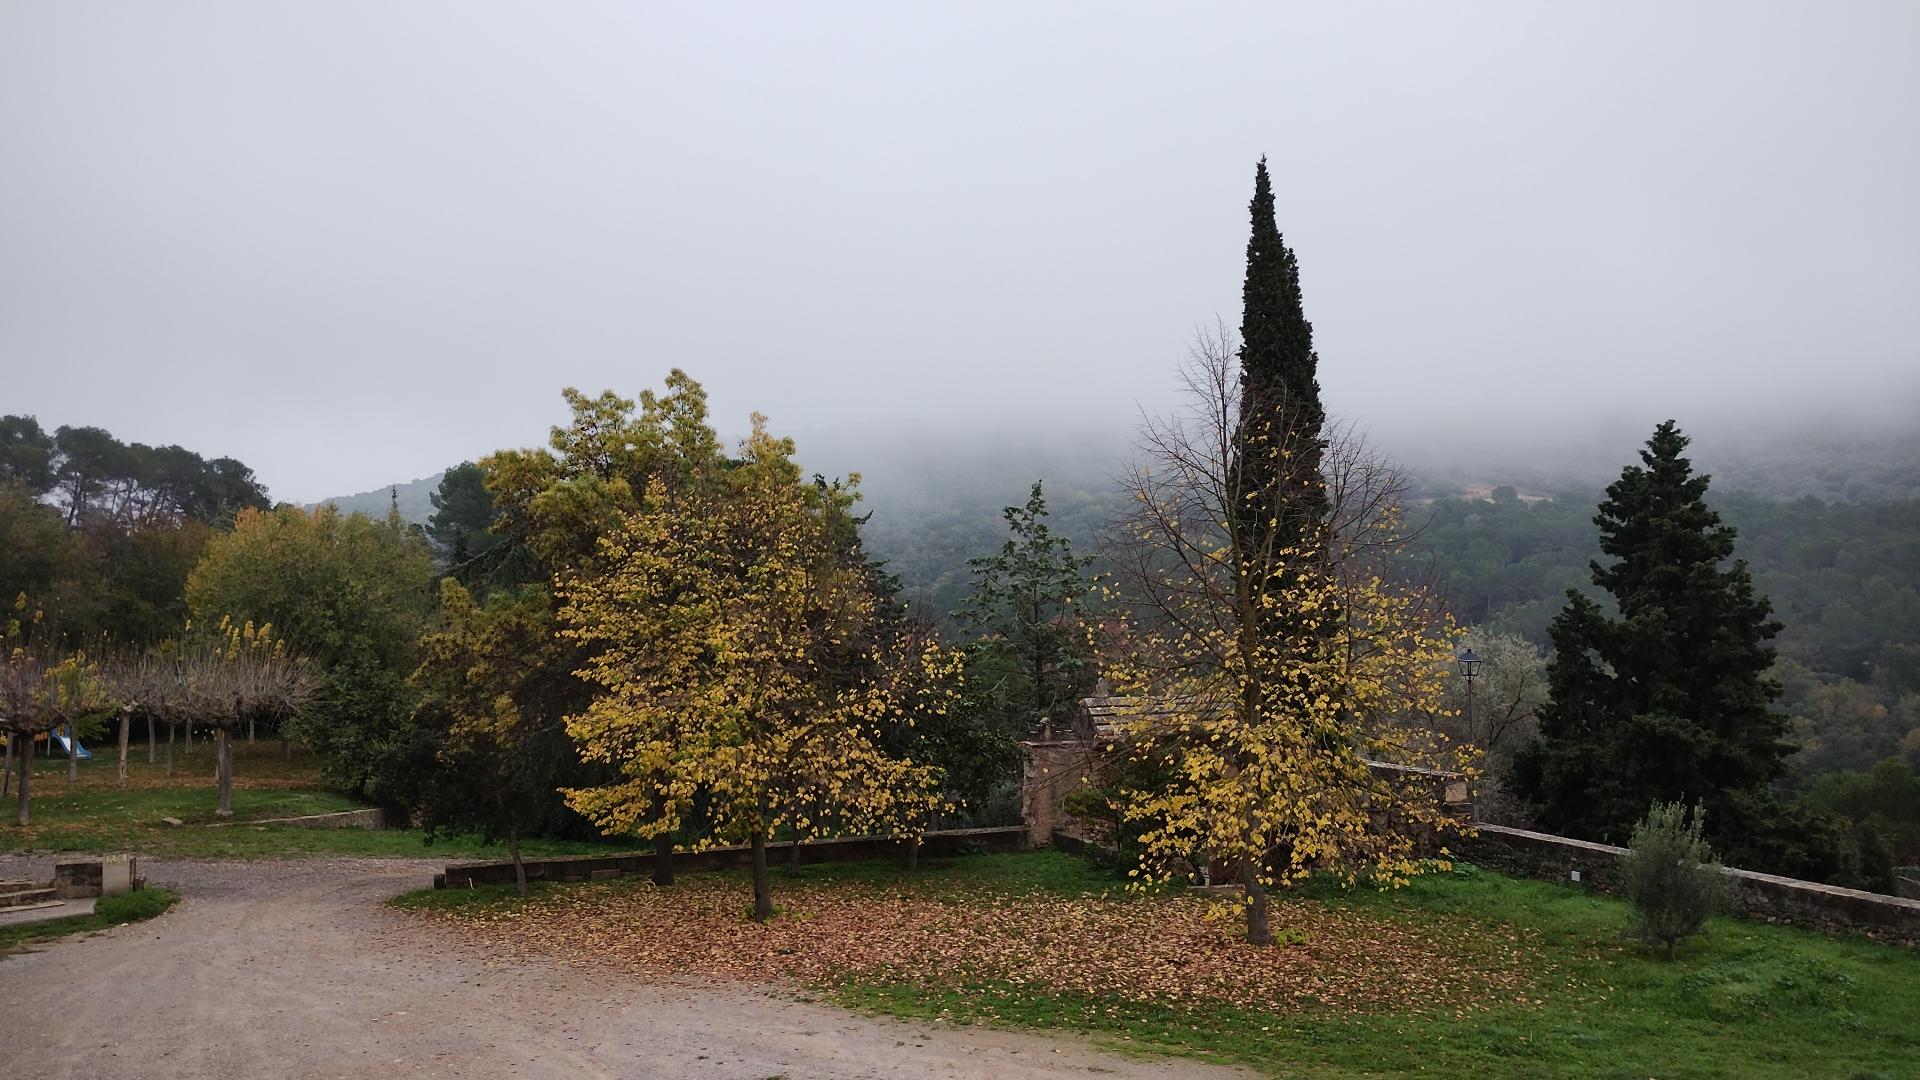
[719, 616]
[1281, 678]
[496, 670]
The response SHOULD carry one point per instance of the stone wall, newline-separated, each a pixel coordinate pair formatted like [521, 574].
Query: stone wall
[1765, 897]
[74, 879]
[849, 849]
[1049, 772]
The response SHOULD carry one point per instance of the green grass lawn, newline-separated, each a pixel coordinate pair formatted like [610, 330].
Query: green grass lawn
[1747, 1000]
[107, 911]
[96, 813]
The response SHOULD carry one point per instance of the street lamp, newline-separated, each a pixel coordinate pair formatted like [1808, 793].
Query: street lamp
[1469, 667]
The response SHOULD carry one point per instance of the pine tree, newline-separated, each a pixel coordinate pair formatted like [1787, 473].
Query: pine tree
[1668, 701]
[1024, 605]
[1280, 412]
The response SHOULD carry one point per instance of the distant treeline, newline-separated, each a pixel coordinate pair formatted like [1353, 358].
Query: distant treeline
[102, 533]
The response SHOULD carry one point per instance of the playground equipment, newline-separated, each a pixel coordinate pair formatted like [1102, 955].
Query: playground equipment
[59, 740]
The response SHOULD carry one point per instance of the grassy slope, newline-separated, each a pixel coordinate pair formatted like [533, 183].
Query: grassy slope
[108, 911]
[1749, 1000]
[97, 814]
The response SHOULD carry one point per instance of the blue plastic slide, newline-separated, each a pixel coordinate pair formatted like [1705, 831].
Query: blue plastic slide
[60, 739]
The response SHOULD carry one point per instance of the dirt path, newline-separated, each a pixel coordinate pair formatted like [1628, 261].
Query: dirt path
[295, 968]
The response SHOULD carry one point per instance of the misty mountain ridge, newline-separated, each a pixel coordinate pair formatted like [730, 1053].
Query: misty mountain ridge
[935, 494]
[909, 467]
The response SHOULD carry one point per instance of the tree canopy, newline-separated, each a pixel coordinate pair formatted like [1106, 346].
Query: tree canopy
[715, 612]
[351, 593]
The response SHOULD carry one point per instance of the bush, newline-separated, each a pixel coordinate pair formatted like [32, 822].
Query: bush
[1671, 877]
[134, 906]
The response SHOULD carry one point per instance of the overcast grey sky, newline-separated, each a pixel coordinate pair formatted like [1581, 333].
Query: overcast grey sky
[351, 243]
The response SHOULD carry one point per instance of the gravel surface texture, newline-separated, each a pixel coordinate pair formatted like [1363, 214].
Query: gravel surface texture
[295, 968]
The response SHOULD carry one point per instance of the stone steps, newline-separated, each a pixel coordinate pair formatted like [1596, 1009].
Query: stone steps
[17, 894]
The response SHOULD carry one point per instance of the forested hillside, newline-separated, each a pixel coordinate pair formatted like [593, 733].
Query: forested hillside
[1844, 579]
[1830, 524]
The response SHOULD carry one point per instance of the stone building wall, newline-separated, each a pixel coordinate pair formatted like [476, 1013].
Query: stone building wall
[1051, 771]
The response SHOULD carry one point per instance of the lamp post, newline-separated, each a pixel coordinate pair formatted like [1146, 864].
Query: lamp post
[1469, 667]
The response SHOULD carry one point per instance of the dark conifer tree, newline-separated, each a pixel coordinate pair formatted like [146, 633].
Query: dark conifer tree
[1280, 412]
[1669, 701]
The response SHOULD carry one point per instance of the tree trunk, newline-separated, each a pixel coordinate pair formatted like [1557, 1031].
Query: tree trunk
[249, 731]
[762, 884]
[1259, 932]
[793, 857]
[126, 722]
[223, 768]
[173, 728]
[6, 769]
[519, 866]
[189, 737]
[73, 754]
[26, 775]
[152, 750]
[663, 859]
[913, 853]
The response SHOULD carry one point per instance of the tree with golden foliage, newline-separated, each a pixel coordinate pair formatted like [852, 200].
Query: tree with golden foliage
[553, 503]
[717, 613]
[1279, 657]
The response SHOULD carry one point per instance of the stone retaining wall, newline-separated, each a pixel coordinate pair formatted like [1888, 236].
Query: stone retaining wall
[74, 879]
[640, 863]
[105, 875]
[1765, 897]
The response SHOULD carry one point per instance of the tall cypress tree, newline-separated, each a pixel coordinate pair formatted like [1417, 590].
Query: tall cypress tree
[1280, 413]
[1669, 700]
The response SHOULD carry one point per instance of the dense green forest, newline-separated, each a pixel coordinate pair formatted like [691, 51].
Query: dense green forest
[102, 533]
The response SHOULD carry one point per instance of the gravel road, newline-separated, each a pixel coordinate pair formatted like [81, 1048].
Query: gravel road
[294, 968]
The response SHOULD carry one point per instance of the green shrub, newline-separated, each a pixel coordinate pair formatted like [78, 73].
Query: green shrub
[1671, 876]
[134, 906]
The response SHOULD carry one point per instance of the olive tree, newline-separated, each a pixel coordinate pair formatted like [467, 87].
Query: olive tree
[1671, 876]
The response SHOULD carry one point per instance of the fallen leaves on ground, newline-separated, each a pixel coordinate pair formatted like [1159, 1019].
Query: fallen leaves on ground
[1152, 949]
